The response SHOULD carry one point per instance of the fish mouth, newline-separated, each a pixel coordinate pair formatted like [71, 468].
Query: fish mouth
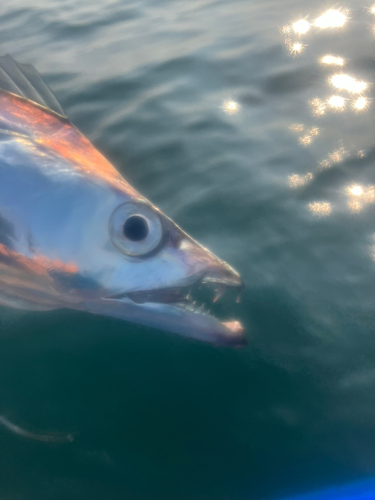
[194, 303]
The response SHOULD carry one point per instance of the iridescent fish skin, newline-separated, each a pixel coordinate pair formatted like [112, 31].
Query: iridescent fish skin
[63, 209]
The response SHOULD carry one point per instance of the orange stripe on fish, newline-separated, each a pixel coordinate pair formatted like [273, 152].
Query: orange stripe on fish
[57, 134]
[38, 264]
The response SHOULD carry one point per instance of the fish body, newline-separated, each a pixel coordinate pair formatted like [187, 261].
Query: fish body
[74, 234]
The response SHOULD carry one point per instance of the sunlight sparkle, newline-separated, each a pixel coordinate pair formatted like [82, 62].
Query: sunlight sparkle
[296, 127]
[337, 102]
[296, 48]
[331, 19]
[318, 106]
[285, 30]
[231, 107]
[338, 155]
[346, 82]
[305, 140]
[332, 60]
[297, 181]
[355, 205]
[370, 194]
[360, 103]
[359, 197]
[320, 208]
[301, 27]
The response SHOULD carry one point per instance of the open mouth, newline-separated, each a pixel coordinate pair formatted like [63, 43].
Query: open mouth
[199, 298]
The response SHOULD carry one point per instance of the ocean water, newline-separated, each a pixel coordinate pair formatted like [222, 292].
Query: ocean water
[224, 115]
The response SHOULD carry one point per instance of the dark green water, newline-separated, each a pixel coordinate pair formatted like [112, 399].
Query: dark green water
[158, 416]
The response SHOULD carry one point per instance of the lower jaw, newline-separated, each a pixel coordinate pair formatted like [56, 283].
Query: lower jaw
[171, 318]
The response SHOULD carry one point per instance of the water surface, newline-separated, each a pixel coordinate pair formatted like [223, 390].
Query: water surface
[211, 110]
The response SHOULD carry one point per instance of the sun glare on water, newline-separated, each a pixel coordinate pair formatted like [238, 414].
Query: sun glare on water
[346, 82]
[360, 197]
[297, 181]
[231, 107]
[332, 60]
[320, 208]
[331, 19]
[318, 106]
[337, 102]
[296, 48]
[360, 103]
[297, 127]
[350, 95]
[301, 27]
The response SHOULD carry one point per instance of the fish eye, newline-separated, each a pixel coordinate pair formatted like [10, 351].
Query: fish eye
[136, 228]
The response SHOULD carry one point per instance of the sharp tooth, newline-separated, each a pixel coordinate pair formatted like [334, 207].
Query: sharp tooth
[239, 296]
[188, 296]
[219, 292]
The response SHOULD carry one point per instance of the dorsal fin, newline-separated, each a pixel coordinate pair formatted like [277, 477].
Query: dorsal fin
[24, 81]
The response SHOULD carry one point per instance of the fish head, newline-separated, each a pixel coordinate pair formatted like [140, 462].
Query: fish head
[75, 234]
[150, 272]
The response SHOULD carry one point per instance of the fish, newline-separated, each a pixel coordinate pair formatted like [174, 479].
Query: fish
[74, 234]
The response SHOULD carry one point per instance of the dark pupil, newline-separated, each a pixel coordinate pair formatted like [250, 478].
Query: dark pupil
[136, 228]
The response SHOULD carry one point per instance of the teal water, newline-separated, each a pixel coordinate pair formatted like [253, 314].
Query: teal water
[282, 187]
